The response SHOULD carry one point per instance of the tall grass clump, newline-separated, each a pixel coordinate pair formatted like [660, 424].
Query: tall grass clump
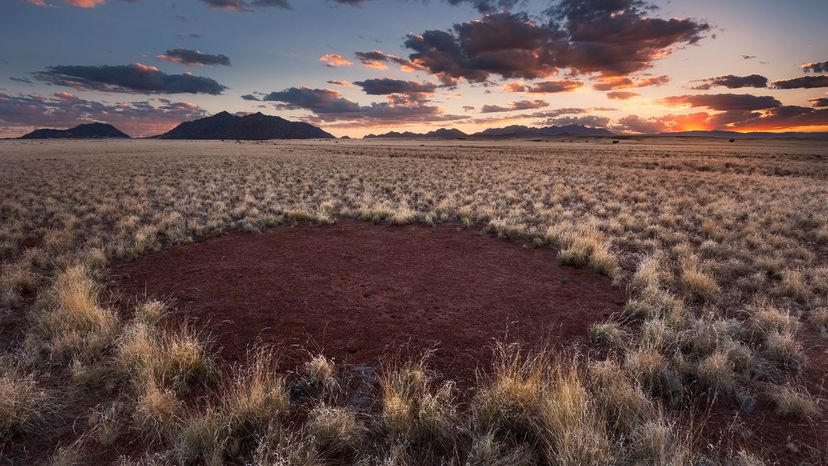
[74, 323]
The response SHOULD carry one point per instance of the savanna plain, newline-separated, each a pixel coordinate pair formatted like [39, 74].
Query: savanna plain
[714, 354]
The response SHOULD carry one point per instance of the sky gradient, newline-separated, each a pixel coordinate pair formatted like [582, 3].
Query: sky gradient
[354, 67]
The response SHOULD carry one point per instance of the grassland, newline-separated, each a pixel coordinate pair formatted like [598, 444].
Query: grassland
[723, 249]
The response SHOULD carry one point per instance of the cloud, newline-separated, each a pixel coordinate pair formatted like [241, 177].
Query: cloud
[545, 87]
[783, 117]
[608, 83]
[748, 57]
[593, 121]
[135, 78]
[386, 86]
[613, 38]
[25, 112]
[246, 5]
[733, 82]
[804, 82]
[86, 3]
[77, 3]
[821, 67]
[622, 95]
[336, 82]
[545, 114]
[819, 102]
[250, 97]
[378, 60]
[514, 106]
[329, 105]
[637, 124]
[333, 60]
[193, 58]
[724, 102]
[483, 6]
[20, 80]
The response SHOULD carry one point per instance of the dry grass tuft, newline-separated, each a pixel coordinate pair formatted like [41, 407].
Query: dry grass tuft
[607, 334]
[24, 404]
[793, 402]
[76, 325]
[335, 430]
[414, 406]
[698, 283]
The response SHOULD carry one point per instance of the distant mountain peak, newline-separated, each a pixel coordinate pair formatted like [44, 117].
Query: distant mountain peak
[94, 130]
[255, 126]
[441, 133]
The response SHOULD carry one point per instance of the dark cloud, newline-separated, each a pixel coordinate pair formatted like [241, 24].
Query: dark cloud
[748, 57]
[821, 67]
[386, 86]
[724, 102]
[483, 6]
[64, 110]
[329, 105]
[733, 82]
[622, 95]
[545, 87]
[804, 82]
[246, 5]
[377, 59]
[20, 80]
[193, 57]
[250, 97]
[819, 102]
[514, 106]
[135, 78]
[611, 37]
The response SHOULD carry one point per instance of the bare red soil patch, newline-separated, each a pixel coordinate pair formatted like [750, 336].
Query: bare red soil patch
[360, 292]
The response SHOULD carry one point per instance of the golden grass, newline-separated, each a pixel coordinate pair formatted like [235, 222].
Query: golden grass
[663, 220]
[24, 404]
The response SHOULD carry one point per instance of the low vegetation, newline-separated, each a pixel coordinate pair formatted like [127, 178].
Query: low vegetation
[722, 250]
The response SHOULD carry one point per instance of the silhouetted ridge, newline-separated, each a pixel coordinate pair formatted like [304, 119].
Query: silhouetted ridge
[255, 126]
[84, 131]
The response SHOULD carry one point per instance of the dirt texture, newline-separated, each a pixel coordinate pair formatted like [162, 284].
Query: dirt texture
[362, 293]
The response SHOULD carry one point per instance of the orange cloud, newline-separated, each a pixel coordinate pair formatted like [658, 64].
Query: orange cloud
[622, 95]
[333, 60]
[86, 3]
[606, 83]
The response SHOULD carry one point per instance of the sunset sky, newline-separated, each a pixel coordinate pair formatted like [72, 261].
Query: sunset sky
[354, 67]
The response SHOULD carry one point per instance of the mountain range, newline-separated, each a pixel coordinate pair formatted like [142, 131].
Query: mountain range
[84, 131]
[255, 126]
[514, 131]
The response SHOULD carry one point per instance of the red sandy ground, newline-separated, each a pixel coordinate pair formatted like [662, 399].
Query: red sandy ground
[360, 292]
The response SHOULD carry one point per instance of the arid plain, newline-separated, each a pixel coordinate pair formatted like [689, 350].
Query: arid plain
[573, 301]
